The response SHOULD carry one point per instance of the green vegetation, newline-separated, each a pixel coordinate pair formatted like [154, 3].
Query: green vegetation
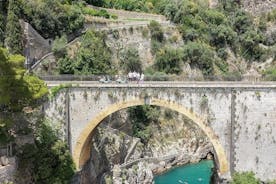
[3, 12]
[270, 74]
[48, 160]
[207, 34]
[200, 55]
[272, 182]
[141, 117]
[130, 60]
[55, 90]
[211, 33]
[17, 90]
[169, 60]
[133, 5]
[94, 12]
[53, 18]
[2, 29]
[271, 16]
[156, 31]
[59, 46]
[93, 57]
[157, 36]
[13, 38]
[245, 178]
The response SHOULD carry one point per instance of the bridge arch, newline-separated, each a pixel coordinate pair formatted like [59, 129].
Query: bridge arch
[81, 150]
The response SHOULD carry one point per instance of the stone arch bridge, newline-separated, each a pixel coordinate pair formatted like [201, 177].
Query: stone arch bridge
[238, 118]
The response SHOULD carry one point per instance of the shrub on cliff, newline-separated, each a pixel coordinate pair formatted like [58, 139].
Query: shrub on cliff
[270, 74]
[245, 178]
[59, 46]
[200, 55]
[48, 160]
[130, 60]
[169, 60]
[53, 18]
[156, 31]
[141, 117]
[93, 57]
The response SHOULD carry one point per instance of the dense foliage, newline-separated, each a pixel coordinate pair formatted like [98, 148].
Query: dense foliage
[53, 17]
[141, 117]
[13, 38]
[270, 74]
[2, 29]
[93, 57]
[133, 5]
[17, 89]
[227, 27]
[169, 60]
[157, 36]
[245, 178]
[130, 60]
[200, 55]
[49, 159]
[50, 18]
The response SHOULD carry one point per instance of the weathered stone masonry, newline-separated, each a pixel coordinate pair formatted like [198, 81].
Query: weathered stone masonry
[240, 121]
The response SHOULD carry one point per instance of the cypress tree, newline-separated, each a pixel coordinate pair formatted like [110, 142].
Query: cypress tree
[3, 12]
[2, 29]
[13, 40]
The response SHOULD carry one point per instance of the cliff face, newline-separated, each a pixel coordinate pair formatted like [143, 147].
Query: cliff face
[117, 156]
[258, 7]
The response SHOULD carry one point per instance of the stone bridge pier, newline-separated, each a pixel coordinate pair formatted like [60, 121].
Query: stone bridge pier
[239, 119]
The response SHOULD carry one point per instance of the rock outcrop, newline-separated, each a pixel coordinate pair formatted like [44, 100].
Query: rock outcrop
[119, 157]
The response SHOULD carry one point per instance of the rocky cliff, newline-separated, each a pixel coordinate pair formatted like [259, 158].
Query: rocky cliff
[258, 7]
[117, 156]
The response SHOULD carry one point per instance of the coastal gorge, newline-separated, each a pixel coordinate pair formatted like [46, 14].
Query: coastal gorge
[203, 112]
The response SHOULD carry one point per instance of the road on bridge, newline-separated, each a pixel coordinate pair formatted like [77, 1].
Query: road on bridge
[167, 84]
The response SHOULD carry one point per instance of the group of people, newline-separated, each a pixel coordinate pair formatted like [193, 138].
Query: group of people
[135, 76]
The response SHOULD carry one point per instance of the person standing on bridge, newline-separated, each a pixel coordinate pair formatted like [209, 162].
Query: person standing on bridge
[142, 78]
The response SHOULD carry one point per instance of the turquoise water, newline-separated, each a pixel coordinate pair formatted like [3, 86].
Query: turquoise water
[199, 173]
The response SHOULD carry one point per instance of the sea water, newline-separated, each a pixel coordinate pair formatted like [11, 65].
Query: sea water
[199, 173]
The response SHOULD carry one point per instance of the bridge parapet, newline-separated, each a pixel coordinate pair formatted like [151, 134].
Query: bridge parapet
[225, 111]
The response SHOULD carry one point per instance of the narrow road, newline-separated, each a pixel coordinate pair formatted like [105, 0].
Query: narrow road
[168, 84]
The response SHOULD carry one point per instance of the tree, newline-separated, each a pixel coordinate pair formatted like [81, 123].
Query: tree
[17, 90]
[13, 40]
[2, 28]
[52, 18]
[242, 21]
[93, 57]
[169, 60]
[213, 16]
[245, 178]
[200, 55]
[141, 117]
[222, 35]
[59, 48]
[65, 65]
[156, 31]
[157, 36]
[250, 41]
[95, 2]
[49, 158]
[131, 61]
